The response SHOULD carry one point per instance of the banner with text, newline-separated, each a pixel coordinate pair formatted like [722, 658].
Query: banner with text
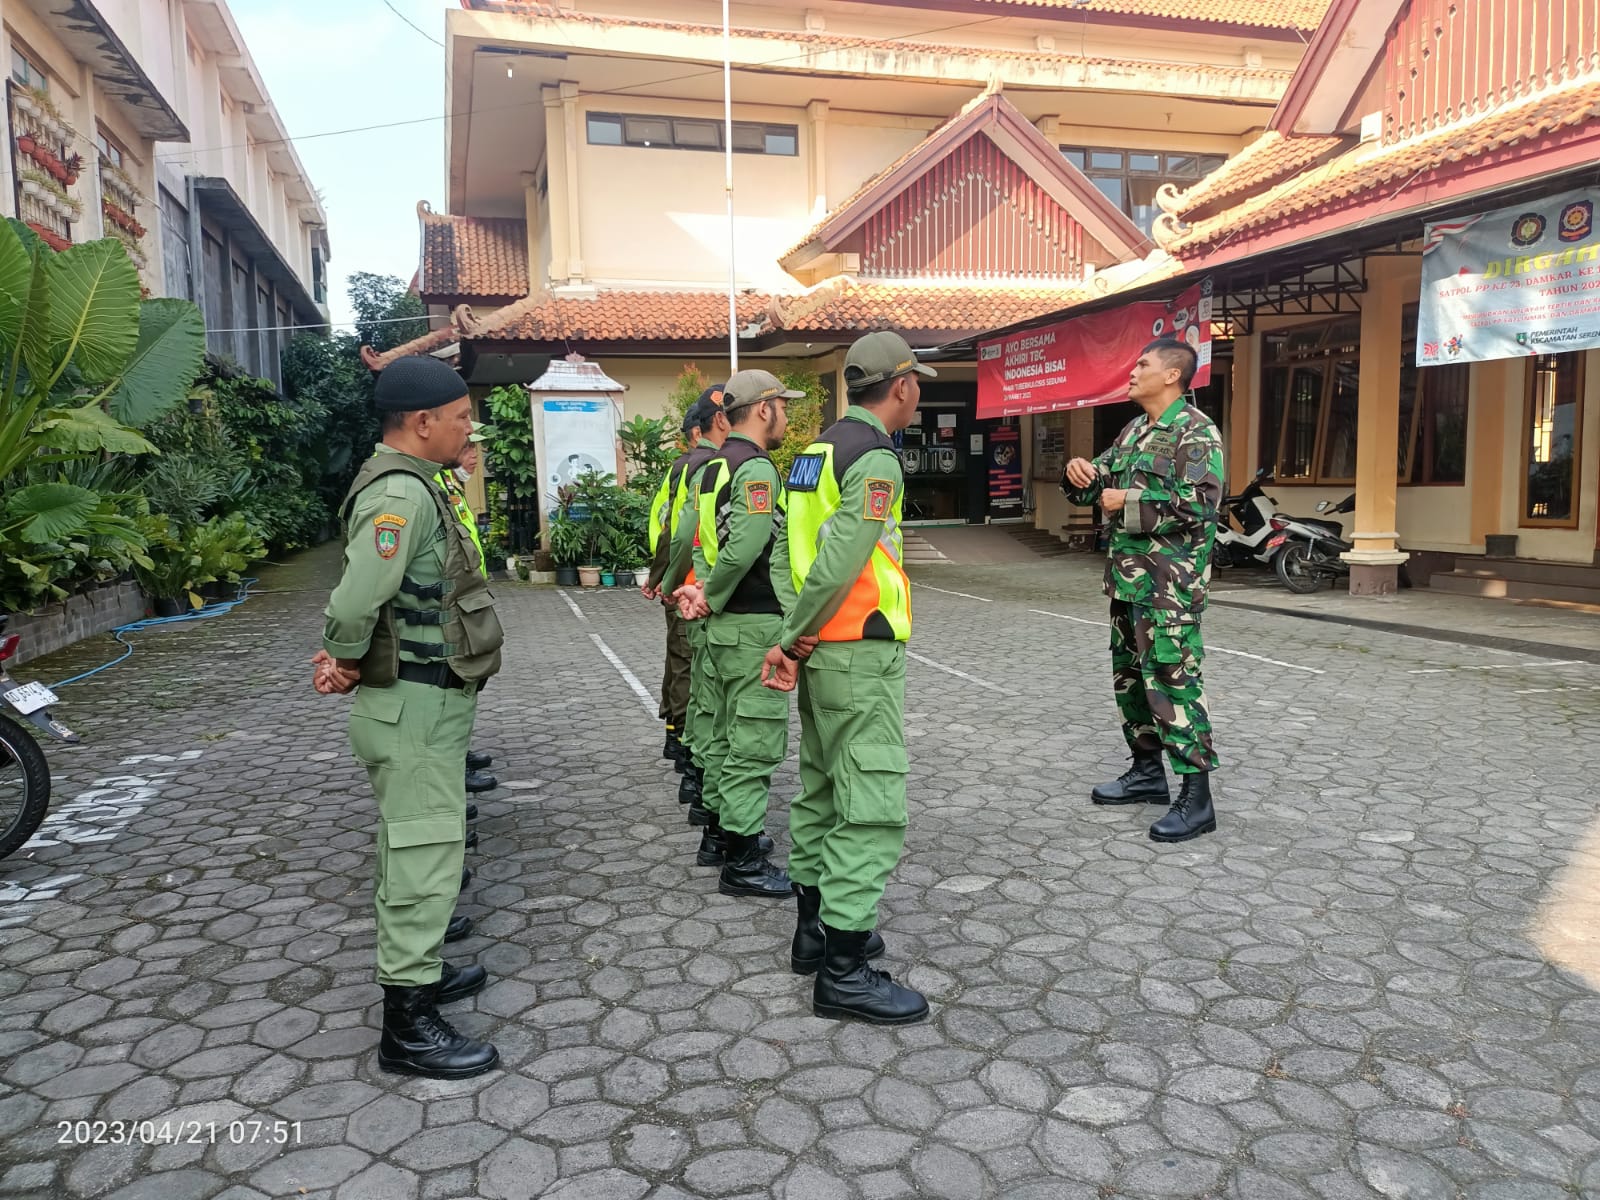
[1512, 282]
[1086, 360]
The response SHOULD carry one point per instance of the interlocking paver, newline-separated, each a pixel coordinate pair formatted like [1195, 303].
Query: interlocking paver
[1334, 997]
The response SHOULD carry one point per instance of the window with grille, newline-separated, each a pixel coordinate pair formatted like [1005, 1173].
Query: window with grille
[1130, 178]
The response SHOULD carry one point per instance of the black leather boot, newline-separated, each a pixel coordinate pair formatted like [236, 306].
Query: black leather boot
[466, 879]
[746, 870]
[712, 852]
[458, 928]
[481, 781]
[673, 750]
[1191, 813]
[805, 952]
[477, 760]
[418, 1041]
[472, 839]
[689, 785]
[1143, 783]
[457, 983]
[472, 812]
[847, 987]
[699, 814]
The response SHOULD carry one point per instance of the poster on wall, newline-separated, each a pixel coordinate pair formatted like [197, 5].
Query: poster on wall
[1005, 472]
[1512, 282]
[1049, 446]
[1085, 361]
[576, 435]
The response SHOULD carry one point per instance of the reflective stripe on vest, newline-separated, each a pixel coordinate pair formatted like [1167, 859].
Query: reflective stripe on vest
[877, 605]
[464, 514]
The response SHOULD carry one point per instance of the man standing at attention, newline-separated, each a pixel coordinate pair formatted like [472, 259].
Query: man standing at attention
[665, 512]
[407, 553]
[1160, 486]
[743, 594]
[848, 823]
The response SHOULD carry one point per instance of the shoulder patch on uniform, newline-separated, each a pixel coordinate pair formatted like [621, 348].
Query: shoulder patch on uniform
[758, 496]
[386, 537]
[389, 519]
[879, 493]
[805, 472]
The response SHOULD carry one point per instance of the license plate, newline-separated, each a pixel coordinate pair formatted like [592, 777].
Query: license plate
[1274, 543]
[30, 697]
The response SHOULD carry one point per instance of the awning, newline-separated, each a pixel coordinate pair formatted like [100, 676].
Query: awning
[88, 35]
[216, 199]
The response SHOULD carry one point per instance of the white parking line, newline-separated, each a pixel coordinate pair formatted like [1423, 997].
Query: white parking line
[628, 676]
[1209, 649]
[1533, 664]
[1063, 617]
[983, 683]
[948, 592]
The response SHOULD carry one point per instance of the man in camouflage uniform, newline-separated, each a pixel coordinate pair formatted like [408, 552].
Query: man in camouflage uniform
[1160, 486]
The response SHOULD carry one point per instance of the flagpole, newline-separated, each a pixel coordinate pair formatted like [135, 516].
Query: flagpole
[727, 140]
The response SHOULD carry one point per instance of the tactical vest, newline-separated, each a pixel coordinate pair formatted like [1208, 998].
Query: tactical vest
[877, 604]
[469, 519]
[754, 592]
[461, 603]
[685, 467]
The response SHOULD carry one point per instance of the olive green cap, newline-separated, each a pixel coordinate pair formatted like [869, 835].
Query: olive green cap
[880, 356]
[752, 387]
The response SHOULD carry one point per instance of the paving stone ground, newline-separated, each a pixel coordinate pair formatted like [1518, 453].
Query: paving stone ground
[1334, 997]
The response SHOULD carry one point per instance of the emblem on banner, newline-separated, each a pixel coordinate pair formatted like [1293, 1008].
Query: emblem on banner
[1527, 229]
[1454, 346]
[1430, 349]
[1576, 221]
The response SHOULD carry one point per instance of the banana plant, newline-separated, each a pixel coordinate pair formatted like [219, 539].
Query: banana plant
[83, 362]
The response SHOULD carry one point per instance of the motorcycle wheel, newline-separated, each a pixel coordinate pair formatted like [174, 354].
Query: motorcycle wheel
[1297, 568]
[24, 785]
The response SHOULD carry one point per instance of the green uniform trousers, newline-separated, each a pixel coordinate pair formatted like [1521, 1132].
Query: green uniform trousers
[1155, 671]
[413, 738]
[675, 674]
[848, 823]
[697, 716]
[749, 723]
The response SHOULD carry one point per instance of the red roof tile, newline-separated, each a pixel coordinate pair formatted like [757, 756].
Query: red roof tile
[484, 257]
[617, 316]
[1269, 159]
[1354, 176]
[844, 304]
[435, 339]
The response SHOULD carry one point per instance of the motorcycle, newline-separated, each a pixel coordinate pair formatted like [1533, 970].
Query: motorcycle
[1308, 550]
[1253, 509]
[24, 771]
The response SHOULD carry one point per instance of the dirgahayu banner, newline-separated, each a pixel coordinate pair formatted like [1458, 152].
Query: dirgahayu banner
[1510, 283]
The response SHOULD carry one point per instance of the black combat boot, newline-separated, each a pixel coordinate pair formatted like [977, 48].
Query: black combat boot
[1143, 783]
[746, 870]
[418, 1041]
[847, 987]
[673, 750]
[477, 760]
[1191, 813]
[805, 952]
[472, 839]
[481, 781]
[712, 852]
[458, 928]
[466, 879]
[689, 785]
[699, 814]
[457, 983]
[472, 812]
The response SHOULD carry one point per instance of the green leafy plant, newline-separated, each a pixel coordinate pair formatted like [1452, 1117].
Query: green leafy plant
[686, 389]
[805, 415]
[565, 538]
[648, 445]
[508, 445]
[224, 547]
[172, 569]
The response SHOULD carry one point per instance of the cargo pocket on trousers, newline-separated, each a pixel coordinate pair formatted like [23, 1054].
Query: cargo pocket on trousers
[375, 725]
[761, 728]
[828, 683]
[423, 858]
[874, 791]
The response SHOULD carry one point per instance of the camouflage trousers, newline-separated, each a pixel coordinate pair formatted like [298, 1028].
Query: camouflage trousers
[1155, 670]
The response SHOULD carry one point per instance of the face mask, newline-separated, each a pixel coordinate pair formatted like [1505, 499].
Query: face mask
[462, 473]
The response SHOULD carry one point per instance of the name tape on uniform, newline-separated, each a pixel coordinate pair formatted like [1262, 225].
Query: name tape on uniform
[805, 472]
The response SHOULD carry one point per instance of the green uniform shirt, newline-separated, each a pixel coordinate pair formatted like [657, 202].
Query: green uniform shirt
[750, 529]
[394, 534]
[1160, 543]
[847, 548]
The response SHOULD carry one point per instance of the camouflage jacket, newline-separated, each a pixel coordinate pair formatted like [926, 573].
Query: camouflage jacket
[1160, 552]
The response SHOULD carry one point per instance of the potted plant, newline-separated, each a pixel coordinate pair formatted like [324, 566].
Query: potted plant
[617, 549]
[565, 539]
[171, 577]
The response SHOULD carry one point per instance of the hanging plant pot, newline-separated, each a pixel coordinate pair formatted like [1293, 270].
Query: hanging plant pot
[33, 188]
[25, 144]
[23, 103]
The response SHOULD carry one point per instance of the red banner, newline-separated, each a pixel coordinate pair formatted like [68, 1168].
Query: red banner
[1086, 360]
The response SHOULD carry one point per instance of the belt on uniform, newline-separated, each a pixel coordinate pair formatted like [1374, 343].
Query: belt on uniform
[438, 674]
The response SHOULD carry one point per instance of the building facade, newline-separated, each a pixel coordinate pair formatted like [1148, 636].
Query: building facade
[936, 169]
[146, 120]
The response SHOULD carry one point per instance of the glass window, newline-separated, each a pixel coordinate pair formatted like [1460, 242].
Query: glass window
[1106, 160]
[1310, 388]
[1075, 157]
[783, 139]
[27, 72]
[1441, 455]
[109, 150]
[1129, 179]
[1144, 162]
[1111, 188]
[1551, 433]
[1300, 423]
[1339, 441]
[702, 135]
[605, 130]
[647, 131]
[1274, 389]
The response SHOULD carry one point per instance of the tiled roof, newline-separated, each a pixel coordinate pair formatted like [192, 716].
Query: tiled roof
[617, 316]
[1269, 159]
[844, 304]
[472, 256]
[435, 339]
[1300, 15]
[905, 46]
[1356, 175]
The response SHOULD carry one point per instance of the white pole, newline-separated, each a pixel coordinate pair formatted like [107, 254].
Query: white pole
[727, 139]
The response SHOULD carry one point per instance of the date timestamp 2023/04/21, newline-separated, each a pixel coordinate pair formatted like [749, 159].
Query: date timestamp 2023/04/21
[172, 1133]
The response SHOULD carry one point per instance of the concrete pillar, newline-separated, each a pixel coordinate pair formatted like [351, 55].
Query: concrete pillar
[570, 114]
[556, 183]
[530, 211]
[1486, 412]
[817, 164]
[1244, 408]
[1375, 560]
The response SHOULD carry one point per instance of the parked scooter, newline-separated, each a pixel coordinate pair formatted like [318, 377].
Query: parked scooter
[1308, 550]
[1254, 510]
[24, 771]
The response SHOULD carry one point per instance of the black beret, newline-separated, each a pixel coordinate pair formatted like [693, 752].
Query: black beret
[417, 382]
[704, 410]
